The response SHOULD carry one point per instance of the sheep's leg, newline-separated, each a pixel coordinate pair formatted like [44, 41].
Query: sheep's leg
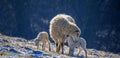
[62, 46]
[57, 47]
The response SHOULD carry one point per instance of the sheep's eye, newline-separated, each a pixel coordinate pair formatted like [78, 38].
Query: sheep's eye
[77, 31]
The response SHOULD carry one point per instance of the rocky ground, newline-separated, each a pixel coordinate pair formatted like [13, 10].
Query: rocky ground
[14, 47]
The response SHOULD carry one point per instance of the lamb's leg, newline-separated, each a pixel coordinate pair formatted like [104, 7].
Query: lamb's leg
[85, 53]
[37, 45]
[69, 50]
[79, 50]
[43, 46]
[49, 45]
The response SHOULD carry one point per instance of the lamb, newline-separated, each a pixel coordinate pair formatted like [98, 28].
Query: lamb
[61, 25]
[79, 43]
[44, 38]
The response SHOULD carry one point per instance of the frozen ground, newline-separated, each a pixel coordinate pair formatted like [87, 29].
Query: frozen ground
[14, 47]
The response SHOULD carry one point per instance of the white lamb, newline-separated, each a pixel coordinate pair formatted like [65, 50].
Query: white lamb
[44, 38]
[79, 43]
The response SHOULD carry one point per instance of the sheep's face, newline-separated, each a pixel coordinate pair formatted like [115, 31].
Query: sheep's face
[74, 31]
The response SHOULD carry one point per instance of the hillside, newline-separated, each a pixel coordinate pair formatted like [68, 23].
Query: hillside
[15, 47]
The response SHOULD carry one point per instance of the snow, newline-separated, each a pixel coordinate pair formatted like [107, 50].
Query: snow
[13, 47]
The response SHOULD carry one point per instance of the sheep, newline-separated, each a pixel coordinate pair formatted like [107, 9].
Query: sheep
[60, 25]
[79, 43]
[44, 38]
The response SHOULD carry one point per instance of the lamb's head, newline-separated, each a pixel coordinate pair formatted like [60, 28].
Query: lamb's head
[73, 30]
[82, 42]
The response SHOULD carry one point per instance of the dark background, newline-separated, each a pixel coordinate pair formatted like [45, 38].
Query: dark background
[99, 20]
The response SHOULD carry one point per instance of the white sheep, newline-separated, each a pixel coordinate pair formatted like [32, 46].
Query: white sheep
[61, 25]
